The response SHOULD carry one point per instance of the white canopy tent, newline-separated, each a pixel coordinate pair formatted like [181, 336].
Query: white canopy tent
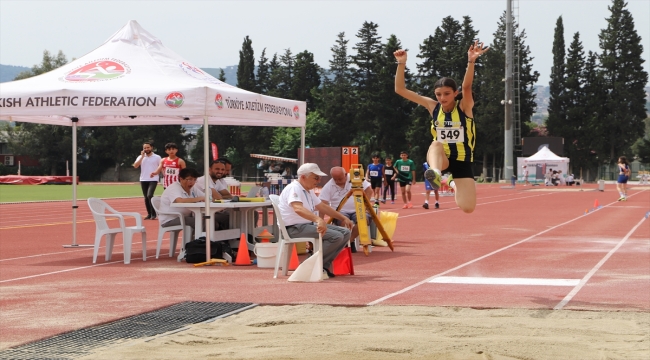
[544, 158]
[132, 79]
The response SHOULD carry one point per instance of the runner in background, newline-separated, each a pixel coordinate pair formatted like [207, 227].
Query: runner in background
[428, 188]
[170, 166]
[623, 177]
[389, 183]
[405, 175]
[375, 175]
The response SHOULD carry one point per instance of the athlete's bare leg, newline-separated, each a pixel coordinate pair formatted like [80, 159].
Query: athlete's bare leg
[408, 192]
[466, 194]
[436, 156]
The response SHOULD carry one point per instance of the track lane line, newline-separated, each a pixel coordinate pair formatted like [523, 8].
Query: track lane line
[427, 280]
[591, 273]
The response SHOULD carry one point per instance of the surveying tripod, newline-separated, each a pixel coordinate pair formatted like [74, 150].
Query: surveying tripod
[361, 202]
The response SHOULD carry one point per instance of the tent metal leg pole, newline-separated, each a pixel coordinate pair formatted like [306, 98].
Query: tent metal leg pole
[208, 192]
[74, 187]
[302, 145]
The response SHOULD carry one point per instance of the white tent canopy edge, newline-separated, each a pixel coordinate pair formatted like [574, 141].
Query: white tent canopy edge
[132, 79]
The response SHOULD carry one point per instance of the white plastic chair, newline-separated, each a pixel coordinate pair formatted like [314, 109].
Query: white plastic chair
[173, 230]
[99, 209]
[253, 191]
[285, 241]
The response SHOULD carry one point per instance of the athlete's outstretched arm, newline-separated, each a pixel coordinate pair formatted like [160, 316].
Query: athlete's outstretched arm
[467, 102]
[400, 84]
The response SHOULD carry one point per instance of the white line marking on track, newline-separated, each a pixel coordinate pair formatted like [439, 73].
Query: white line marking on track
[503, 281]
[384, 298]
[596, 268]
[67, 270]
[91, 247]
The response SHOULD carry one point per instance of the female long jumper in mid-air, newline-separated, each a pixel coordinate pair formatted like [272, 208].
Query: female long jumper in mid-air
[452, 127]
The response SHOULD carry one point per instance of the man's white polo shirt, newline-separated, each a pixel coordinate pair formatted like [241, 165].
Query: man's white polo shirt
[332, 194]
[294, 192]
[173, 192]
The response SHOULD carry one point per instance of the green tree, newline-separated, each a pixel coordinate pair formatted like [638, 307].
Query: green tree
[336, 98]
[263, 73]
[222, 75]
[246, 67]
[557, 107]
[491, 91]
[50, 144]
[285, 74]
[48, 63]
[306, 77]
[575, 98]
[625, 80]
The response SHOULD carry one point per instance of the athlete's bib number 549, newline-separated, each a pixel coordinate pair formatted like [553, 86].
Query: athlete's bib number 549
[451, 135]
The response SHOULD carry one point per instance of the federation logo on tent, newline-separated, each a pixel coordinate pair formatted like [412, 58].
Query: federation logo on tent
[296, 112]
[174, 100]
[218, 100]
[98, 70]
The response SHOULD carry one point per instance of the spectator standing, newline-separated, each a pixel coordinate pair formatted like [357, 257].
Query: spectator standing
[375, 175]
[300, 208]
[526, 175]
[170, 165]
[405, 175]
[148, 162]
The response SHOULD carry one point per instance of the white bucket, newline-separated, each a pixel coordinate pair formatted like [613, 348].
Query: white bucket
[266, 253]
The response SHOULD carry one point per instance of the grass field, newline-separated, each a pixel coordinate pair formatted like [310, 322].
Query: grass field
[17, 193]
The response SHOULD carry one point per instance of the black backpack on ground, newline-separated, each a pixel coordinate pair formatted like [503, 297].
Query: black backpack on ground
[195, 250]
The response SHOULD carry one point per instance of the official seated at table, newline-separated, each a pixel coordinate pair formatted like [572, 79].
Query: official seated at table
[182, 191]
[335, 190]
[299, 207]
[218, 189]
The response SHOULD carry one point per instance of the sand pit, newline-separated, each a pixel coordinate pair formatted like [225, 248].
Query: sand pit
[401, 332]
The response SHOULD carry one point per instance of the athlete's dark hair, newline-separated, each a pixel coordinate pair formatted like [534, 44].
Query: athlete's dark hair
[404, 152]
[623, 160]
[449, 82]
[171, 146]
[375, 155]
[147, 143]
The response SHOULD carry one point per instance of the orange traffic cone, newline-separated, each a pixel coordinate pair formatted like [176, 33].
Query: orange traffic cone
[265, 236]
[243, 259]
[294, 262]
[596, 204]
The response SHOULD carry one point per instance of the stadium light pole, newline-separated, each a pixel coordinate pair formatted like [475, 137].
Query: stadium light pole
[508, 105]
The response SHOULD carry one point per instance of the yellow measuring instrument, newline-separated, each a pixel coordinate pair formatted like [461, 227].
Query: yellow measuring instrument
[361, 202]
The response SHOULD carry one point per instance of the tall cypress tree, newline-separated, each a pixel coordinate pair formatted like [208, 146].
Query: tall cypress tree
[263, 73]
[556, 123]
[246, 68]
[336, 97]
[624, 79]
[575, 101]
[306, 77]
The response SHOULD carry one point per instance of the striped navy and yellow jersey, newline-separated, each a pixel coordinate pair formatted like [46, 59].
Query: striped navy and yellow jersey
[461, 151]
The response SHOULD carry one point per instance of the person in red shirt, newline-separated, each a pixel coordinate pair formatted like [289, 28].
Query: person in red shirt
[170, 166]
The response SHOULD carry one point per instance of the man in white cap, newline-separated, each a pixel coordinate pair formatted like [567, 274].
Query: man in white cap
[299, 207]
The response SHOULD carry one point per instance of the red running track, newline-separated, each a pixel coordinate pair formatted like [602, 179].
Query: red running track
[514, 239]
